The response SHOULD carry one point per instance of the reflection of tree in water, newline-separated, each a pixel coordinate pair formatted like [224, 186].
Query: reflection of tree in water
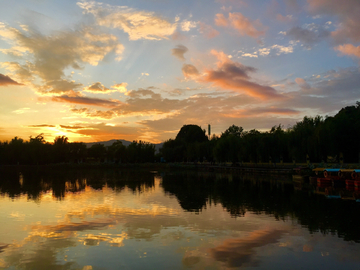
[239, 194]
[33, 182]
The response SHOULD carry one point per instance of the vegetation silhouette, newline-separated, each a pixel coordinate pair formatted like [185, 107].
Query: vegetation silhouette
[317, 138]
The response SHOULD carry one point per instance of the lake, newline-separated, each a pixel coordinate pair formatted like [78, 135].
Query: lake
[140, 219]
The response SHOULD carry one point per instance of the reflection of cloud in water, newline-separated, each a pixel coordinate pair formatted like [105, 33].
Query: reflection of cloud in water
[81, 226]
[236, 252]
[114, 240]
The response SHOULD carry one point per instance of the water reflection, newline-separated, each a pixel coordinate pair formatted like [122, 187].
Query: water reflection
[111, 219]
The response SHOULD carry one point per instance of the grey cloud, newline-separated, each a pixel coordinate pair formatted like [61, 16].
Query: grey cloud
[308, 37]
[179, 52]
[85, 101]
[190, 71]
[6, 81]
[347, 13]
[142, 93]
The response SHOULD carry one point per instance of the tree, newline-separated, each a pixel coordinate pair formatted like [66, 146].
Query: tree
[97, 151]
[191, 134]
[61, 149]
[117, 152]
[233, 131]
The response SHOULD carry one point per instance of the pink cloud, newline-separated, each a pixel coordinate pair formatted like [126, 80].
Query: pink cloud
[207, 31]
[242, 24]
[349, 49]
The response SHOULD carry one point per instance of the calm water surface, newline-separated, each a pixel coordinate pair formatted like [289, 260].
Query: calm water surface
[126, 219]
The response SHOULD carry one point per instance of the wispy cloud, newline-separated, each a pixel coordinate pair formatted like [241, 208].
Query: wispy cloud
[86, 101]
[207, 30]
[137, 24]
[239, 22]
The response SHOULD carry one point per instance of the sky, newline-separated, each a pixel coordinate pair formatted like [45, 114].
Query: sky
[141, 69]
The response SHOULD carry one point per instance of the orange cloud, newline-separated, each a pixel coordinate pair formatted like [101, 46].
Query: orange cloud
[234, 76]
[242, 24]
[349, 49]
[6, 80]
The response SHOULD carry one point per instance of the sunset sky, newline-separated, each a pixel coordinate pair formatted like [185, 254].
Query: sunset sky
[141, 69]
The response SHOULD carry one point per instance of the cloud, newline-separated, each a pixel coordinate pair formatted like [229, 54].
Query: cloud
[6, 80]
[284, 19]
[104, 132]
[280, 49]
[190, 71]
[47, 57]
[121, 87]
[141, 103]
[137, 24]
[308, 37]
[86, 101]
[71, 127]
[187, 25]
[242, 24]
[97, 88]
[43, 125]
[347, 13]
[76, 227]
[302, 83]
[179, 52]
[241, 251]
[207, 31]
[325, 92]
[349, 49]
[235, 76]
[260, 112]
[89, 113]
[60, 86]
[142, 93]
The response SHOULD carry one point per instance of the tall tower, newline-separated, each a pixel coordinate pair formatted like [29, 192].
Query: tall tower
[209, 130]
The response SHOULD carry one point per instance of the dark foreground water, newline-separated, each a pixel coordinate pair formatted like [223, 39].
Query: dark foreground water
[128, 219]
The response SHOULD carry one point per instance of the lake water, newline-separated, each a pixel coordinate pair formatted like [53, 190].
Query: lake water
[132, 219]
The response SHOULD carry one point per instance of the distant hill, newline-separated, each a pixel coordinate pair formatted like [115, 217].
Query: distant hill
[125, 143]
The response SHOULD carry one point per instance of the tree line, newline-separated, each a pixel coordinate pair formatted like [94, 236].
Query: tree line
[314, 139]
[37, 151]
